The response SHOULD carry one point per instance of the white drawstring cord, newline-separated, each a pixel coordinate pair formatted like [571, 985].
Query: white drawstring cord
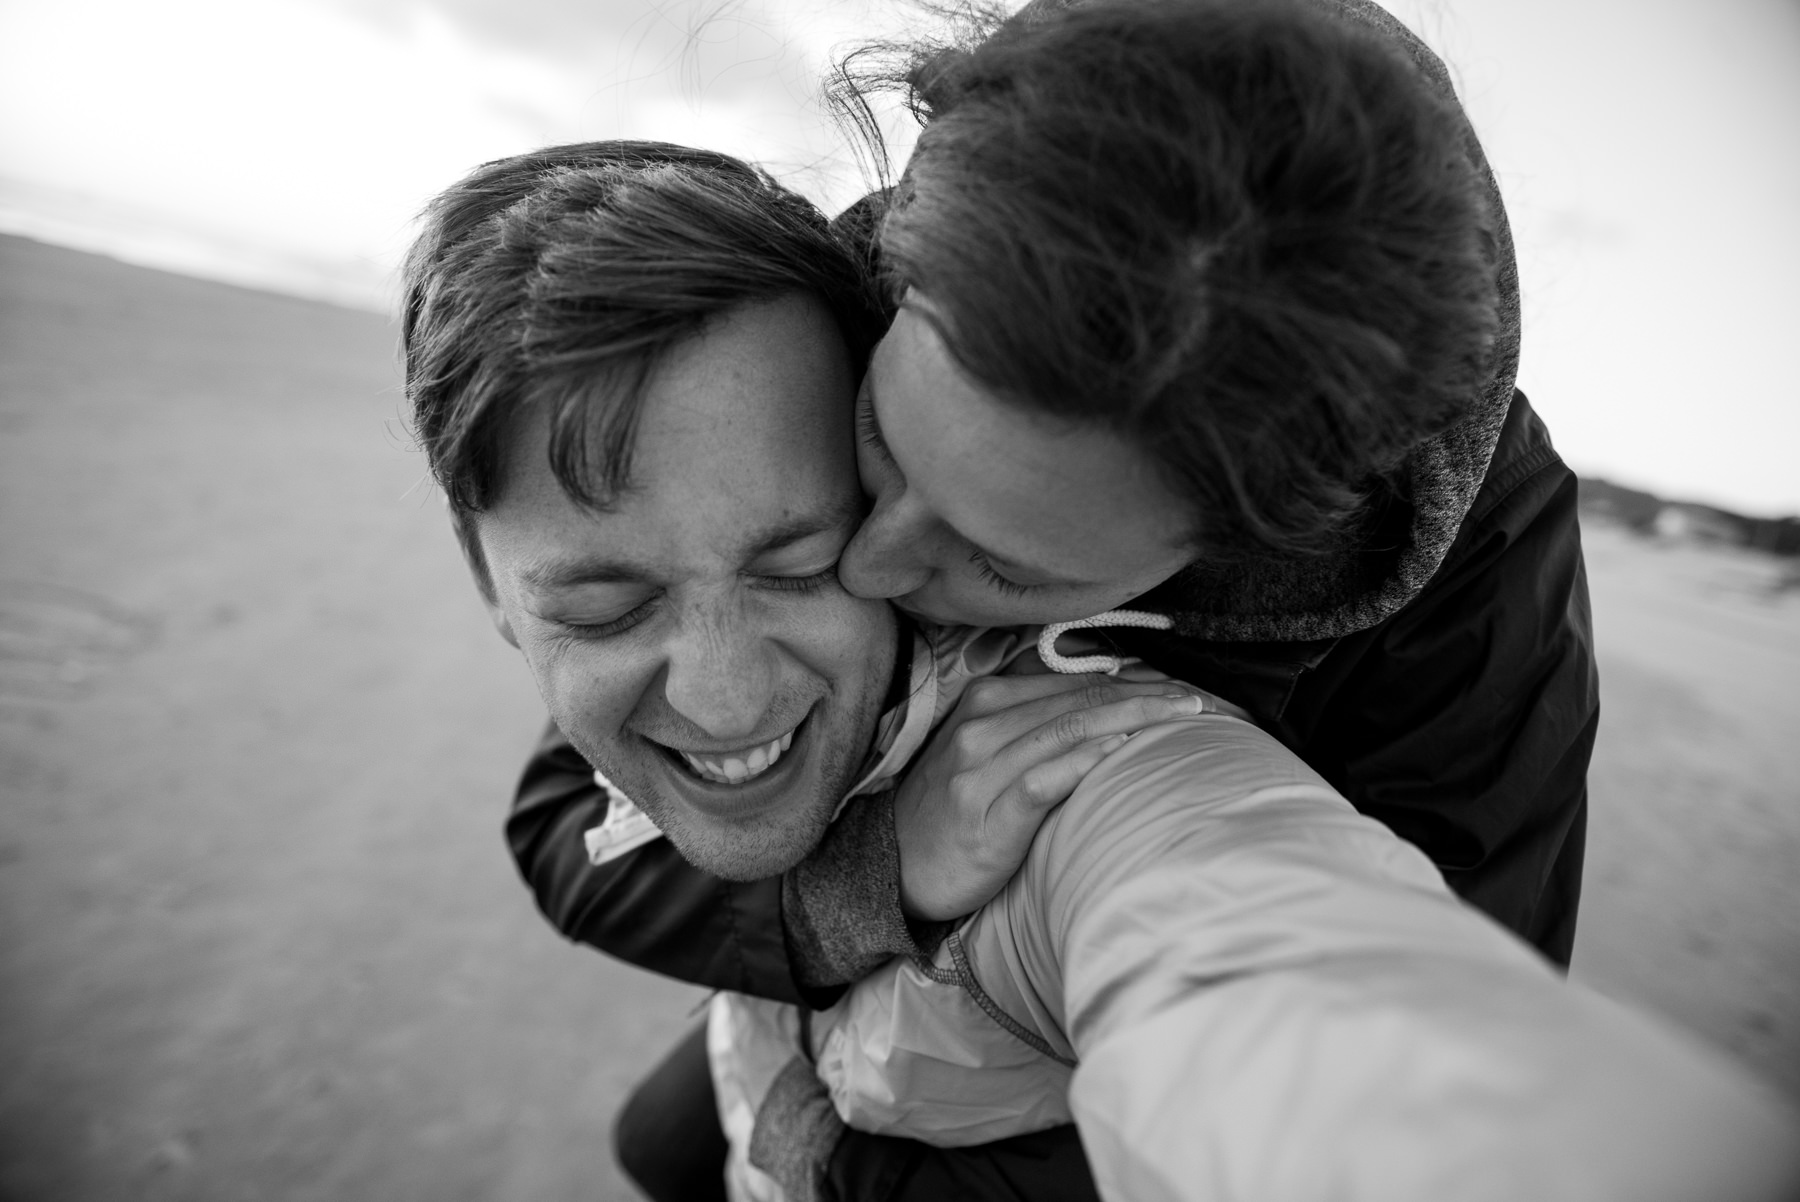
[1108, 664]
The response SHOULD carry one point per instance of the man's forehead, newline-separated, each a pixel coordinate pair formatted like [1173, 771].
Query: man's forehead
[740, 442]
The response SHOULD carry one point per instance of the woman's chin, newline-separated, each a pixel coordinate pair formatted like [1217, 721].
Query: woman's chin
[936, 609]
[936, 606]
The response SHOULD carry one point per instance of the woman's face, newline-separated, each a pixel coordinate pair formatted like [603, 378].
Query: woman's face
[988, 515]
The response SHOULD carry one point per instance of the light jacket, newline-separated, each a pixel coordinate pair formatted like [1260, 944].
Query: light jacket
[1239, 988]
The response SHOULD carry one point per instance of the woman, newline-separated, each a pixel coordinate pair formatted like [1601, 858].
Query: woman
[1222, 324]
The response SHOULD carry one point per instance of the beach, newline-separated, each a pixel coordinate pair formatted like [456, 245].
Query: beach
[259, 933]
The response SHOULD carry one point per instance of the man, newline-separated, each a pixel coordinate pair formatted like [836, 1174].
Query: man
[683, 636]
[629, 366]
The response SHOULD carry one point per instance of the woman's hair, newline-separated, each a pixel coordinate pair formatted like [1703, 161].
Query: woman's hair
[562, 277]
[1246, 235]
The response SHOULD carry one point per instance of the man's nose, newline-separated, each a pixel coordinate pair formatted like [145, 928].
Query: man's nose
[722, 672]
[890, 555]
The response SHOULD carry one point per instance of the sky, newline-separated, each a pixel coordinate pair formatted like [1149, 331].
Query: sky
[1649, 151]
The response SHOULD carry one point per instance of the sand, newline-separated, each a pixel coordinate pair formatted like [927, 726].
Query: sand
[259, 936]
[1691, 904]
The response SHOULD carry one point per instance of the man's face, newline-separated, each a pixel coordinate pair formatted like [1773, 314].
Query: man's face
[692, 641]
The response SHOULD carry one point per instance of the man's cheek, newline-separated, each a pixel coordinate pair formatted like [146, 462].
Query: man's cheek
[579, 687]
[861, 641]
[548, 665]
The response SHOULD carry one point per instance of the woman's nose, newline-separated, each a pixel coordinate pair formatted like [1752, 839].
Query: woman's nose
[890, 554]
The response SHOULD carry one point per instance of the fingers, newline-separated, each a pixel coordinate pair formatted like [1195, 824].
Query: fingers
[1040, 759]
[991, 694]
[982, 730]
[1073, 727]
[975, 796]
[1048, 783]
[1004, 707]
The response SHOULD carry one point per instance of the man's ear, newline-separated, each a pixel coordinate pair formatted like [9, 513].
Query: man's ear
[469, 539]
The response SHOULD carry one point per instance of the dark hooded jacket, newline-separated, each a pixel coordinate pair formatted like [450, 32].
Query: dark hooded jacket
[1439, 672]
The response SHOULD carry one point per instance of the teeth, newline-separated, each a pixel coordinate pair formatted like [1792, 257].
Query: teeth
[735, 770]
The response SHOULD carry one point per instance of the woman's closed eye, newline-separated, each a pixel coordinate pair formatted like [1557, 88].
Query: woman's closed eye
[991, 576]
[868, 429]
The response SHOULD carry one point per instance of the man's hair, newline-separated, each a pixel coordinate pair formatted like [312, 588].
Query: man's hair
[1246, 235]
[562, 277]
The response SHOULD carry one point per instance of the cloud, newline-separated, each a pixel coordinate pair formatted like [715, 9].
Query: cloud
[289, 143]
[313, 130]
[274, 121]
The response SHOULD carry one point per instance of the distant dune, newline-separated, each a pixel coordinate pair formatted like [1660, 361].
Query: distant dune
[1648, 513]
[259, 937]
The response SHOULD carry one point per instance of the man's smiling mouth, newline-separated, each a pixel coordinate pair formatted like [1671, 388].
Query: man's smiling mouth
[737, 767]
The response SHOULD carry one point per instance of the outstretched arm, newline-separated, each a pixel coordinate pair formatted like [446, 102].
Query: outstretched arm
[1264, 994]
[1272, 996]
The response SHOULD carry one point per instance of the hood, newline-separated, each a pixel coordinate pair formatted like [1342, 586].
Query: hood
[1295, 601]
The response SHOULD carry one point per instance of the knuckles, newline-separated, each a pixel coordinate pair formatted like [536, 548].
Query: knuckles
[987, 694]
[967, 742]
[1096, 695]
[1068, 729]
[1038, 788]
[964, 789]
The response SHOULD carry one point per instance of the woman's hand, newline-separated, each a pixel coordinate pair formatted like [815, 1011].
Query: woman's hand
[1012, 750]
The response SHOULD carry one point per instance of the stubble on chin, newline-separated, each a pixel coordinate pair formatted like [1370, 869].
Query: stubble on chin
[756, 850]
[750, 851]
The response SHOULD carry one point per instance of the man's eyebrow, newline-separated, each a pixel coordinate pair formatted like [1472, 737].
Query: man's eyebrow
[844, 512]
[569, 573]
[564, 573]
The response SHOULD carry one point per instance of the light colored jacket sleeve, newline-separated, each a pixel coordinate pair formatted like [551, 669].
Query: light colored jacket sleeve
[1274, 998]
